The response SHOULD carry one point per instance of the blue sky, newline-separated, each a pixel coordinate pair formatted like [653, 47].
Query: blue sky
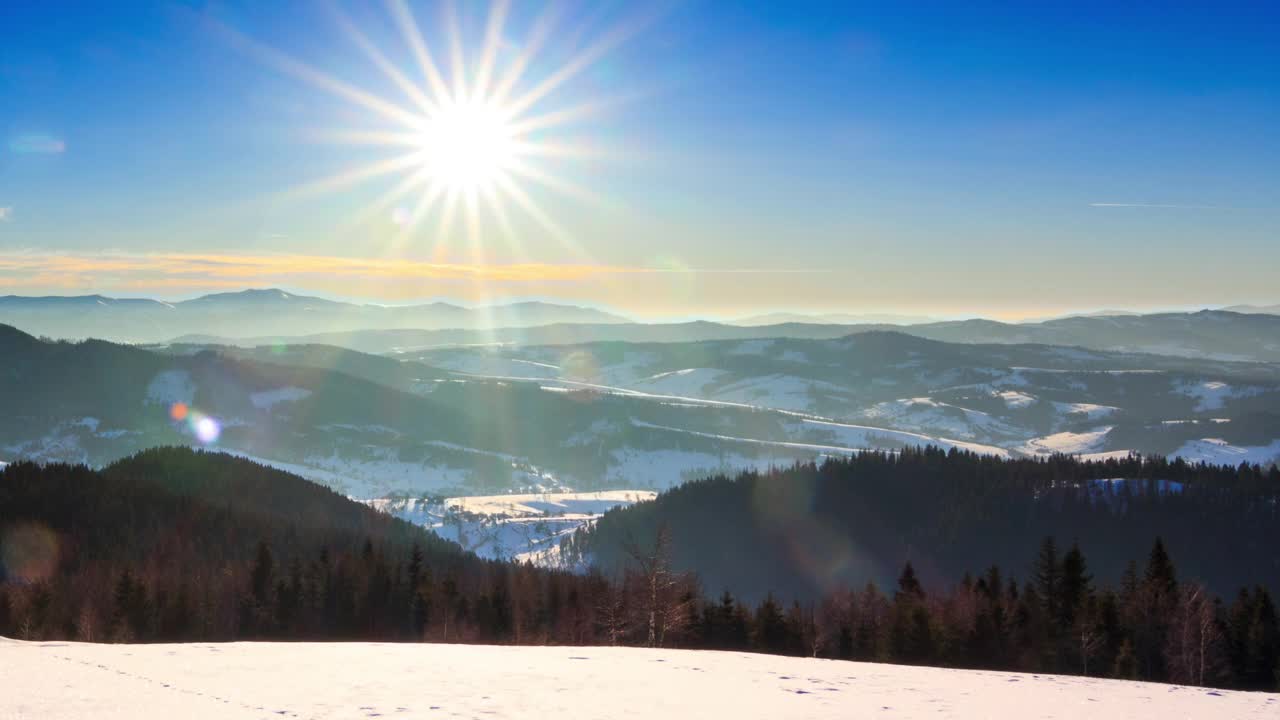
[986, 158]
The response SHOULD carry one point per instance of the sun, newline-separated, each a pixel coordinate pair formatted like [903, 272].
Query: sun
[471, 136]
[468, 146]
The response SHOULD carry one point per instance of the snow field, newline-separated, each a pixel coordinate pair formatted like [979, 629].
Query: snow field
[61, 681]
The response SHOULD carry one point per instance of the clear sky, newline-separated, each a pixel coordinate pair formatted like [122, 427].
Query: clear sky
[689, 158]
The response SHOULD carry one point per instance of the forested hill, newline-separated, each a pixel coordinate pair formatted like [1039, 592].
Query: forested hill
[176, 544]
[810, 528]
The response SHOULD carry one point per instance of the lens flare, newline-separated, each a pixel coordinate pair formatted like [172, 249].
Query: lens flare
[29, 552]
[178, 411]
[207, 429]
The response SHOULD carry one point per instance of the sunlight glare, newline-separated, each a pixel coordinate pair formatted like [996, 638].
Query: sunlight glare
[467, 145]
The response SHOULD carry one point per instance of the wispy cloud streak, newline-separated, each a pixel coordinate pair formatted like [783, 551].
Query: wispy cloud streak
[173, 271]
[1158, 205]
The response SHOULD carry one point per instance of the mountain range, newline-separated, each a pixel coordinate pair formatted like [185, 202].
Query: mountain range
[597, 416]
[260, 312]
[1208, 334]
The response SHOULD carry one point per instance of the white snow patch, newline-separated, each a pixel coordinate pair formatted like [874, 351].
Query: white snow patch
[169, 387]
[752, 347]
[1217, 451]
[1016, 400]
[512, 527]
[924, 414]
[866, 437]
[1090, 411]
[1212, 394]
[690, 381]
[1068, 443]
[268, 399]
[663, 469]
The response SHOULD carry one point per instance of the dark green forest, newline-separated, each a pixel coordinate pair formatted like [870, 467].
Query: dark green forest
[179, 545]
[801, 531]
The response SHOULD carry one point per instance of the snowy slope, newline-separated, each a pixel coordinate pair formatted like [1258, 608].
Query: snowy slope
[62, 681]
[516, 527]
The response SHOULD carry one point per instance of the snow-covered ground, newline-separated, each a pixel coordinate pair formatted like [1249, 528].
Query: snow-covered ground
[511, 527]
[65, 681]
[1071, 443]
[1220, 452]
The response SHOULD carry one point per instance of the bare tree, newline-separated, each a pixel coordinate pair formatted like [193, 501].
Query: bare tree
[1089, 637]
[1195, 636]
[664, 594]
[611, 611]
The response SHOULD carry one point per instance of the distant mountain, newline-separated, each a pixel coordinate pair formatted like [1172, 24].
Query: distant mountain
[831, 319]
[1213, 334]
[261, 312]
[1208, 334]
[402, 341]
[1254, 309]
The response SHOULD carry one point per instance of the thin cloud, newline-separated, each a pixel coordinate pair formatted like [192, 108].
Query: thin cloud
[5, 214]
[37, 144]
[171, 271]
[1158, 205]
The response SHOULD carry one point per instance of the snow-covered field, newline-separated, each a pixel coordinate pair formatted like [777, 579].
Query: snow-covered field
[64, 681]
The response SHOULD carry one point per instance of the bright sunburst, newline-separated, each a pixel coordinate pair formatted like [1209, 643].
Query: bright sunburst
[468, 145]
[465, 142]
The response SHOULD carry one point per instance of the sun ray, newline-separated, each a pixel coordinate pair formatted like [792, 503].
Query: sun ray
[444, 229]
[531, 207]
[564, 116]
[538, 36]
[409, 30]
[552, 149]
[560, 185]
[386, 138]
[428, 200]
[347, 178]
[491, 199]
[568, 71]
[472, 217]
[384, 202]
[457, 58]
[489, 53]
[386, 66]
[321, 80]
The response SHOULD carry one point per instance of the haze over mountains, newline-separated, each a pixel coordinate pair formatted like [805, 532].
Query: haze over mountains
[261, 312]
[272, 316]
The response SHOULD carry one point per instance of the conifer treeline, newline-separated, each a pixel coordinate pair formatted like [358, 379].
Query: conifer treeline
[181, 546]
[800, 530]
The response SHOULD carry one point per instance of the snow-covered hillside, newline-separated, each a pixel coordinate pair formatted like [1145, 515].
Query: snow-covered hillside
[65, 681]
[511, 527]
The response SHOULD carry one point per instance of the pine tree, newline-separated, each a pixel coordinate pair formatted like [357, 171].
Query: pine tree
[1161, 577]
[1077, 585]
[771, 627]
[1048, 577]
[908, 584]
